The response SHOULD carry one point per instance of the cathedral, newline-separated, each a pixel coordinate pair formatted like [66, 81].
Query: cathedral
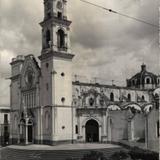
[48, 107]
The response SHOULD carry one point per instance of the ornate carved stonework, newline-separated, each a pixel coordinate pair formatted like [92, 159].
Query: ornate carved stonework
[91, 112]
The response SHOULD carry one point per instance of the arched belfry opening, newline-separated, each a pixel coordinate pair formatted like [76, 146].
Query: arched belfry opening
[48, 38]
[92, 131]
[61, 38]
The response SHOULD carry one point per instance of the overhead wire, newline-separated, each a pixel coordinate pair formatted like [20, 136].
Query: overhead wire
[121, 14]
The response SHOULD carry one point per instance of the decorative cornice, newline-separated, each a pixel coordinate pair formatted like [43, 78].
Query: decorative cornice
[91, 111]
[56, 21]
[78, 83]
[56, 54]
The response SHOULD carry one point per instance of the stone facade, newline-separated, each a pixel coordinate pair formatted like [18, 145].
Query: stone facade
[47, 107]
[119, 111]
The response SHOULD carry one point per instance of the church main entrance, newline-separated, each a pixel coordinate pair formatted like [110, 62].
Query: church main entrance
[26, 132]
[92, 131]
[30, 133]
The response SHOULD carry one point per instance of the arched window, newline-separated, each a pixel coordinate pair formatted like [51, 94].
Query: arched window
[143, 98]
[112, 97]
[61, 38]
[91, 101]
[148, 81]
[158, 81]
[158, 129]
[48, 38]
[129, 97]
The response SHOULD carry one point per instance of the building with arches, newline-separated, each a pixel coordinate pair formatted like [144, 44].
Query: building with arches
[48, 107]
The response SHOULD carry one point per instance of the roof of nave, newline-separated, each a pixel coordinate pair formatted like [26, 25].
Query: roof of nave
[78, 83]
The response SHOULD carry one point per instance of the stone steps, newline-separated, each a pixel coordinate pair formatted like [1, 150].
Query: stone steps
[14, 154]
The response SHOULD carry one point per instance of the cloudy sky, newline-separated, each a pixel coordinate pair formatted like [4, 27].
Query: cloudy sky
[106, 45]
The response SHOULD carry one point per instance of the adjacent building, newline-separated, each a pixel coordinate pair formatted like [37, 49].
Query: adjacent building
[4, 125]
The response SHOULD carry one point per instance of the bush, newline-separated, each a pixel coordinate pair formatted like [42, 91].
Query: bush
[94, 155]
[121, 155]
[136, 154]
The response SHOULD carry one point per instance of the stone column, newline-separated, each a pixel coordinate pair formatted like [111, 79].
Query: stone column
[130, 130]
[84, 133]
[79, 129]
[19, 134]
[104, 125]
[26, 132]
[53, 123]
[100, 133]
[109, 129]
[104, 138]
[41, 125]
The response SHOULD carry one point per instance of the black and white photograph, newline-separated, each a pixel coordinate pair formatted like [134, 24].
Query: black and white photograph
[79, 79]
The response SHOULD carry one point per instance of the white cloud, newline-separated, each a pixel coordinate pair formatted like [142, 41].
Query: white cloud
[104, 43]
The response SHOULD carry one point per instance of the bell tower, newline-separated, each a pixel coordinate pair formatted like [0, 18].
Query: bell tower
[56, 72]
[55, 27]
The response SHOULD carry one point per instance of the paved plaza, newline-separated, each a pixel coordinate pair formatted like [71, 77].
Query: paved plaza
[79, 146]
[59, 152]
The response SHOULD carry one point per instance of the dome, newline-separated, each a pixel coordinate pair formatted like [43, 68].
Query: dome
[143, 79]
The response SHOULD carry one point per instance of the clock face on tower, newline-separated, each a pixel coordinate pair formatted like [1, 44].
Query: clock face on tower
[29, 77]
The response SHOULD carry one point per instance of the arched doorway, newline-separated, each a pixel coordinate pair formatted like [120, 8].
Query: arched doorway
[30, 131]
[92, 131]
[26, 131]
